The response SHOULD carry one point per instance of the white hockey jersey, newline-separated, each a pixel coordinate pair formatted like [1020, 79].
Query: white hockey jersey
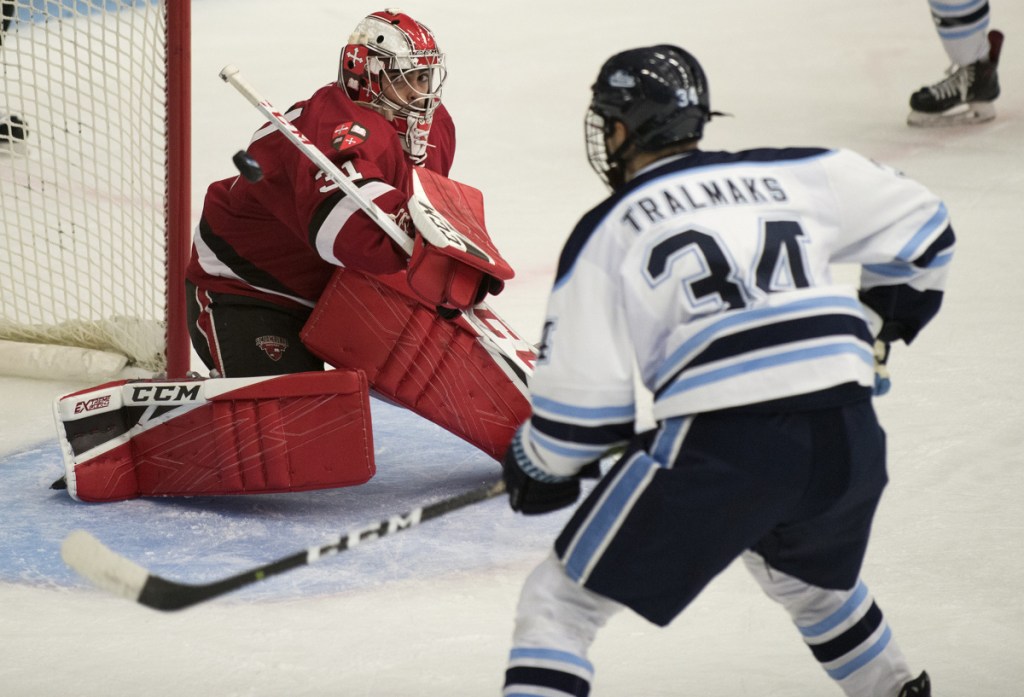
[710, 273]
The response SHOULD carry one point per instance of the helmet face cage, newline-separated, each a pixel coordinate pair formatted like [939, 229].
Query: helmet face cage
[390, 56]
[659, 93]
[597, 129]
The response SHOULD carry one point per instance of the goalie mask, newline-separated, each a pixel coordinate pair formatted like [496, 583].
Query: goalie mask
[392, 64]
[659, 93]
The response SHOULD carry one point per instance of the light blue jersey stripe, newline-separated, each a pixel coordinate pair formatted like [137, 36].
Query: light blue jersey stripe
[910, 249]
[763, 363]
[577, 452]
[840, 615]
[664, 448]
[964, 33]
[863, 659]
[908, 270]
[519, 654]
[958, 8]
[892, 270]
[749, 317]
[599, 414]
[606, 517]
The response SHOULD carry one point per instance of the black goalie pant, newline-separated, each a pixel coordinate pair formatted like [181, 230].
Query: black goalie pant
[240, 336]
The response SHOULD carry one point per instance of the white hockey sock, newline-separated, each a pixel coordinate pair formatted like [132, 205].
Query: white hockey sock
[845, 630]
[556, 621]
[963, 29]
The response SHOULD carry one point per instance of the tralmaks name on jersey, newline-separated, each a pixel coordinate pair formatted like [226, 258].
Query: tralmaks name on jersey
[687, 198]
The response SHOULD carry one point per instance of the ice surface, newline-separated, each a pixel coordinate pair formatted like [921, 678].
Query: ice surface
[429, 611]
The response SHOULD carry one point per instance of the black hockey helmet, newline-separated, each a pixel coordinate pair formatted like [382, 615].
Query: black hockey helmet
[659, 93]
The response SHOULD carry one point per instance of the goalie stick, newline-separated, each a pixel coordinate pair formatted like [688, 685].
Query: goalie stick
[119, 575]
[513, 354]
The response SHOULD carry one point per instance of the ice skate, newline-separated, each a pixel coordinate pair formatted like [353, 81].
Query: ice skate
[967, 95]
[921, 686]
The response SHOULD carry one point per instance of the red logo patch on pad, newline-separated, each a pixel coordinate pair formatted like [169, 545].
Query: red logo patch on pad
[349, 135]
[273, 346]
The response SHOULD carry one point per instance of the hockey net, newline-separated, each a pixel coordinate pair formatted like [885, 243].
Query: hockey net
[94, 178]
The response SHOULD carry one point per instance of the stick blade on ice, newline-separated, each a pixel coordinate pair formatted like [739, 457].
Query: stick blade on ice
[105, 568]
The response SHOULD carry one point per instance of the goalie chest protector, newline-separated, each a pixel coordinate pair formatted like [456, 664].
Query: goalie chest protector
[216, 436]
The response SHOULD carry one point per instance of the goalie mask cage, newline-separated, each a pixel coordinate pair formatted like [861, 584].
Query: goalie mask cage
[94, 177]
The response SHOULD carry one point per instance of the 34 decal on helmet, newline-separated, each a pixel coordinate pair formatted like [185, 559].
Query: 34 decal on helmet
[658, 93]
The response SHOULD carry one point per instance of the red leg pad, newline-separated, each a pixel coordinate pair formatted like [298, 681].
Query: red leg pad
[431, 366]
[220, 436]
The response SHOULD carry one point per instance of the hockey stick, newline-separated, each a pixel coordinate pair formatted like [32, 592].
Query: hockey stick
[114, 573]
[512, 354]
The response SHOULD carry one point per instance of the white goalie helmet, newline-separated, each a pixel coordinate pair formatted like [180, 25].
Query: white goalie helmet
[393, 64]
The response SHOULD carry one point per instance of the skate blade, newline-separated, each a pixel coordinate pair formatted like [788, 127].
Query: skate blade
[967, 114]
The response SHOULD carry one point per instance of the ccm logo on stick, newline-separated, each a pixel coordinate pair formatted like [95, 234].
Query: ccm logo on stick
[391, 525]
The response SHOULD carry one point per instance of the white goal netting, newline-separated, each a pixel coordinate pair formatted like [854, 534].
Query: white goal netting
[83, 181]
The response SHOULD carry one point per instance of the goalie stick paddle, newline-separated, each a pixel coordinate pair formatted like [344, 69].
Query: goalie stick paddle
[514, 355]
[114, 573]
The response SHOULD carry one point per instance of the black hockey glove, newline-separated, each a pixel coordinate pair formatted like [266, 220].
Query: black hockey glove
[531, 496]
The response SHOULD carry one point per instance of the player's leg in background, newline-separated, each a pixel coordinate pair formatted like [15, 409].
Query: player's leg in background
[972, 84]
[963, 29]
[556, 622]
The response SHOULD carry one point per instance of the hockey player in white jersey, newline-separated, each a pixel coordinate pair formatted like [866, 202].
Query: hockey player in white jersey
[710, 271]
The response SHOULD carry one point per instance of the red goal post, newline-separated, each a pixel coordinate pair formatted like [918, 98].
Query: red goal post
[95, 210]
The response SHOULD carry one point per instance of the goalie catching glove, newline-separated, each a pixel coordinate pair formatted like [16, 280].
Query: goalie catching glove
[532, 491]
[454, 263]
[444, 279]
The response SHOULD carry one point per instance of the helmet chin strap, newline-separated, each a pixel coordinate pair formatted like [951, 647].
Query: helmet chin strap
[414, 140]
[617, 162]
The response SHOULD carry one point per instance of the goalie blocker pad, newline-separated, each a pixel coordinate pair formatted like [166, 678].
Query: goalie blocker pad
[216, 436]
[431, 366]
[454, 262]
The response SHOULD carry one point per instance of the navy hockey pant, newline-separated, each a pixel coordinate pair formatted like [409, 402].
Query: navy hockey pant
[800, 489]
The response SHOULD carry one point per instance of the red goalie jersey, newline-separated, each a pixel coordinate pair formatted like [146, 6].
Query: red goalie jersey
[280, 239]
